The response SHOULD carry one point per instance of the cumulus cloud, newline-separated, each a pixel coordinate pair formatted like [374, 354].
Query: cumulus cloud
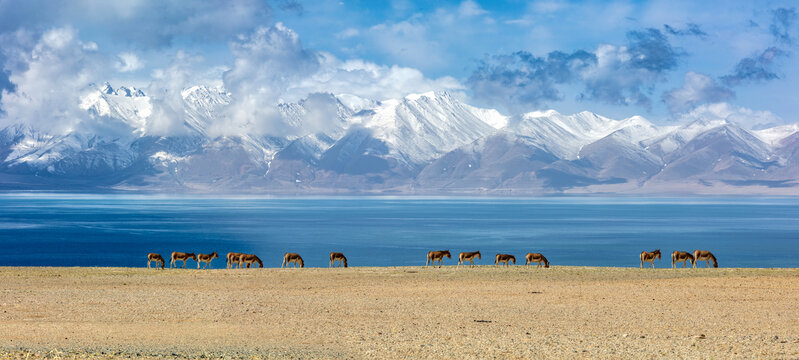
[690, 29]
[624, 75]
[149, 23]
[470, 8]
[650, 50]
[5, 82]
[271, 67]
[430, 40]
[520, 80]
[348, 33]
[755, 68]
[697, 89]
[368, 80]
[321, 110]
[127, 62]
[165, 91]
[266, 62]
[782, 24]
[49, 73]
[748, 118]
[612, 74]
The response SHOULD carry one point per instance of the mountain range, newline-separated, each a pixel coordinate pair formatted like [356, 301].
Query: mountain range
[426, 144]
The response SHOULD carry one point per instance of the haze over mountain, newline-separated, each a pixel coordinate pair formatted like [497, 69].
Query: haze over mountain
[430, 143]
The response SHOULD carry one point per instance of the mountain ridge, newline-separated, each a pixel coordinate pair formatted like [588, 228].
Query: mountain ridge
[430, 143]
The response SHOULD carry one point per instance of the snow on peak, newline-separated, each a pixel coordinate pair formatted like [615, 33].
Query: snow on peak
[416, 97]
[421, 127]
[636, 129]
[356, 103]
[198, 90]
[563, 135]
[544, 113]
[107, 89]
[432, 95]
[121, 91]
[775, 135]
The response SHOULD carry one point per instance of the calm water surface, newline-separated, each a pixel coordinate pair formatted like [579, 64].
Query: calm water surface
[119, 230]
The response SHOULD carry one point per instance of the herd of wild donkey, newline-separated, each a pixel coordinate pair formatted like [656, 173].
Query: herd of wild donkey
[240, 260]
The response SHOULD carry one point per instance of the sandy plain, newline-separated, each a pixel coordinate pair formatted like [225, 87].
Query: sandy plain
[399, 312]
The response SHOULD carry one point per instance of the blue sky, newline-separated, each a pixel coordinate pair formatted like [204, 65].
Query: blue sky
[659, 59]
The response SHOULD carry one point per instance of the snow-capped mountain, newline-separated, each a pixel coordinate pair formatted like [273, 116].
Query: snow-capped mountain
[422, 143]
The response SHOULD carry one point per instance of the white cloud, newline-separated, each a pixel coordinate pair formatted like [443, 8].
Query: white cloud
[348, 33]
[697, 89]
[53, 71]
[271, 67]
[127, 62]
[748, 118]
[470, 8]
[266, 63]
[165, 95]
[369, 80]
[147, 23]
[50, 72]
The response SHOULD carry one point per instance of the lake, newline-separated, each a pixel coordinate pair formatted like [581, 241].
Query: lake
[119, 230]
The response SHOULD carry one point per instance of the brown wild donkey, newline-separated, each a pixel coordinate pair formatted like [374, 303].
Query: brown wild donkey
[681, 256]
[437, 256]
[703, 255]
[536, 258]
[206, 258]
[250, 260]
[468, 256]
[649, 257]
[505, 259]
[157, 258]
[337, 256]
[233, 259]
[292, 258]
[179, 256]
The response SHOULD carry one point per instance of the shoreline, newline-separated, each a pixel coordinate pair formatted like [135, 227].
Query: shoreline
[367, 267]
[399, 312]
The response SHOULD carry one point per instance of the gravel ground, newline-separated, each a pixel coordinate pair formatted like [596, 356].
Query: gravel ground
[399, 312]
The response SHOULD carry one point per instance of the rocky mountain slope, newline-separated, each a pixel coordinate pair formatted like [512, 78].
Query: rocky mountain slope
[428, 143]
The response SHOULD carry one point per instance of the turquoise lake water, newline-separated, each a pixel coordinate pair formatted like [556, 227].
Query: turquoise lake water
[119, 230]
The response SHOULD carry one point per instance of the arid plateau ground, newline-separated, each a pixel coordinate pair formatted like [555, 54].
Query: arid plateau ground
[399, 312]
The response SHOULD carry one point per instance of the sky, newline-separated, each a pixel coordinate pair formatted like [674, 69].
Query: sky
[669, 61]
